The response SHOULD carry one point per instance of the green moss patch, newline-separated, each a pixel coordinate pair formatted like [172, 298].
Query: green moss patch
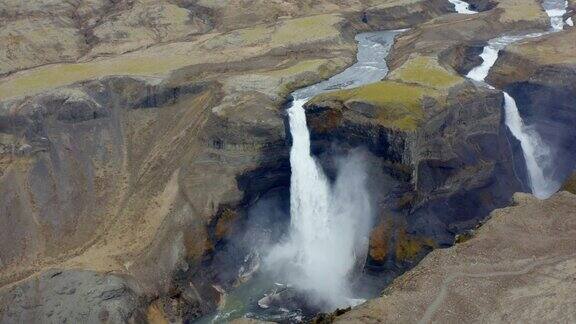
[425, 71]
[306, 30]
[397, 105]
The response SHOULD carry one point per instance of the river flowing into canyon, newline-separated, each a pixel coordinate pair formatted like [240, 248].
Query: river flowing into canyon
[536, 152]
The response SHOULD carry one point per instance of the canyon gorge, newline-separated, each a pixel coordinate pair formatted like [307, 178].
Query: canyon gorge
[366, 161]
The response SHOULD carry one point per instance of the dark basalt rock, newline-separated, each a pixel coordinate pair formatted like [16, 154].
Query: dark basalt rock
[545, 93]
[463, 57]
[482, 5]
[458, 163]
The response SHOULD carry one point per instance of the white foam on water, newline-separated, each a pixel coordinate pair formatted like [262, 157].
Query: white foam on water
[489, 56]
[556, 9]
[462, 7]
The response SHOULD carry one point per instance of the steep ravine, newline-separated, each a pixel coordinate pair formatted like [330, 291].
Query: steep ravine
[313, 218]
[167, 156]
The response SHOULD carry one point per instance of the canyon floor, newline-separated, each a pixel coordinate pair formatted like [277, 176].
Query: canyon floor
[136, 137]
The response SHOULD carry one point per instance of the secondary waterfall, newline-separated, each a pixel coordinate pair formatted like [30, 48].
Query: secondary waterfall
[556, 9]
[536, 152]
[462, 7]
[330, 220]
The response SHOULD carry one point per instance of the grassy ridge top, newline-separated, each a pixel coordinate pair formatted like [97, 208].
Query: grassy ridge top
[398, 102]
[425, 71]
[398, 105]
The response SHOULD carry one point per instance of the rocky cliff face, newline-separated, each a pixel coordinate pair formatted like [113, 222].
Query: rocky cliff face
[442, 138]
[518, 267]
[447, 165]
[81, 296]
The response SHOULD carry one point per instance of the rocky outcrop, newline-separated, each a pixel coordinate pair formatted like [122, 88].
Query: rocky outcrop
[60, 296]
[518, 267]
[401, 14]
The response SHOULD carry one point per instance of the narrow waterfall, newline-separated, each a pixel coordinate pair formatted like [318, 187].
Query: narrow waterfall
[462, 7]
[536, 153]
[556, 9]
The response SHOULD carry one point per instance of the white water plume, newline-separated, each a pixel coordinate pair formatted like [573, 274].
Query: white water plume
[462, 7]
[329, 222]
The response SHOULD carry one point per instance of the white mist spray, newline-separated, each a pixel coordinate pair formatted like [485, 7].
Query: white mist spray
[329, 223]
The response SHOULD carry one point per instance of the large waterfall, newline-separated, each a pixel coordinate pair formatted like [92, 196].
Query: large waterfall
[330, 220]
[536, 152]
[329, 223]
